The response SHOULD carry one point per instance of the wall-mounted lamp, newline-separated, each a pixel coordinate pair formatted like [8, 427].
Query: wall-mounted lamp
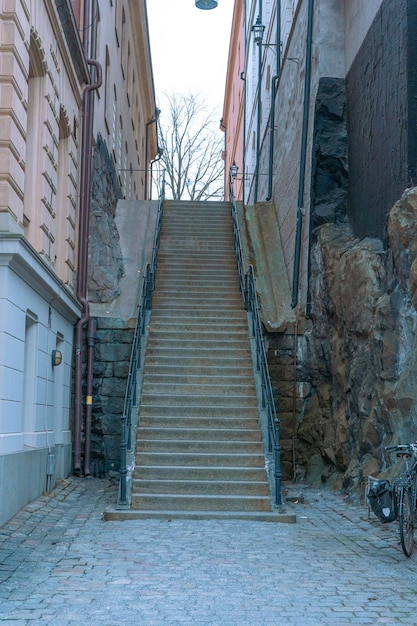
[258, 31]
[56, 357]
[258, 34]
[206, 4]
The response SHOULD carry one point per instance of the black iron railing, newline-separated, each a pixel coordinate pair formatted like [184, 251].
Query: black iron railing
[145, 305]
[247, 284]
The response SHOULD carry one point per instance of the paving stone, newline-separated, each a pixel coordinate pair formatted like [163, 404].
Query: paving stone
[335, 566]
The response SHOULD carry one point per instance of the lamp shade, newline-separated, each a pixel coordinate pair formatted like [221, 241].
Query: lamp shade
[206, 4]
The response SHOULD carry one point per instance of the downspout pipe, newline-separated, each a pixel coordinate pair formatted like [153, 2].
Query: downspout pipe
[154, 120]
[224, 129]
[303, 158]
[85, 191]
[258, 125]
[155, 160]
[91, 338]
[274, 87]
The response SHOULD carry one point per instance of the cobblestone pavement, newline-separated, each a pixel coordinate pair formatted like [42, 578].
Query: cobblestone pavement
[62, 565]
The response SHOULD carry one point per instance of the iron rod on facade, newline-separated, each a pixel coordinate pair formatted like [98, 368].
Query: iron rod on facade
[85, 189]
[303, 156]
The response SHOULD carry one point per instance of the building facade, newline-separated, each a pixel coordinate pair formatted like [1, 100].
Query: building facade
[58, 64]
[329, 149]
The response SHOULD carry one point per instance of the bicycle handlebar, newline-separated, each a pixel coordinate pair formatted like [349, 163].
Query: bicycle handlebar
[411, 448]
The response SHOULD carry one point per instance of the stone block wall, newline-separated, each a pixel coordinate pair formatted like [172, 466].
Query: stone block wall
[111, 367]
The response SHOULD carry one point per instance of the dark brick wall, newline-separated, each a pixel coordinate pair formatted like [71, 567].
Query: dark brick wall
[381, 105]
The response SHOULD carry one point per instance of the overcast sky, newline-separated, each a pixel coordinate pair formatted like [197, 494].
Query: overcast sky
[190, 48]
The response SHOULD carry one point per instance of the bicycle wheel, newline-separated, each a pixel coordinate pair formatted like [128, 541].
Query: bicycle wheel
[406, 522]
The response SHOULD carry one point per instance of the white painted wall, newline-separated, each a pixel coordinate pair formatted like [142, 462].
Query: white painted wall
[359, 15]
[34, 396]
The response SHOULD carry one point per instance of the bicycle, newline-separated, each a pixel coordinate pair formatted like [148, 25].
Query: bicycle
[405, 493]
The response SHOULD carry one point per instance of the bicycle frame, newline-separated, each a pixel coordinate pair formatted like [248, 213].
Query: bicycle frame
[405, 487]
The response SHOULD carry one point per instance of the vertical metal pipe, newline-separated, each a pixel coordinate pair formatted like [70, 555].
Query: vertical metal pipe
[303, 156]
[85, 189]
[258, 124]
[91, 338]
[274, 87]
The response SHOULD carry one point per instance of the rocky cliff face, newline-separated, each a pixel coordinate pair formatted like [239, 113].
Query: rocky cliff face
[361, 351]
[105, 260]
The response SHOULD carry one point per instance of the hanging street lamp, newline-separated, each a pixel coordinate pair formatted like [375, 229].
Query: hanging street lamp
[206, 4]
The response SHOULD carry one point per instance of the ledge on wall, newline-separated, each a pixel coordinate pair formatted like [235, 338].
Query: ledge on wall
[264, 241]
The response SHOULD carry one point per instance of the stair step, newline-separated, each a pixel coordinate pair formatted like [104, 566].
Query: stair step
[201, 487]
[165, 279]
[202, 411]
[199, 290]
[194, 344]
[195, 327]
[201, 434]
[199, 364]
[198, 400]
[204, 371]
[174, 377]
[217, 390]
[195, 266]
[199, 301]
[197, 270]
[201, 503]
[218, 317]
[188, 424]
[195, 447]
[200, 459]
[198, 473]
[198, 355]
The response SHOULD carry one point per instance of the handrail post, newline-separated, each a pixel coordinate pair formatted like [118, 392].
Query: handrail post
[277, 468]
[123, 463]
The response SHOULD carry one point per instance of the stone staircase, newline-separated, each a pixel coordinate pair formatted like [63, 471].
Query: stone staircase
[199, 449]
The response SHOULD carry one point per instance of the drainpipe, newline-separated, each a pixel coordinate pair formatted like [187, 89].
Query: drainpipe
[225, 177]
[258, 119]
[154, 120]
[155, 160]
[242, 77]
[274, 87]
[85, 190]
[91, 337]
[303, 156]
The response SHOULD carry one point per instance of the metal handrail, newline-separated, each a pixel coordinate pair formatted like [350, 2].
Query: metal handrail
[145, 305]
[247, 284]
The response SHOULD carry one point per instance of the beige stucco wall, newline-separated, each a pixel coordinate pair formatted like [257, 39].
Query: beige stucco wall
[125, 104]
[39, 126]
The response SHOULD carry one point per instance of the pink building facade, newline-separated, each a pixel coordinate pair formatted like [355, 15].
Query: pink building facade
[233, 111]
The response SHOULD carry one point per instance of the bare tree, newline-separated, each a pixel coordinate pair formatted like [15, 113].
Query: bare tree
[191, 150]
